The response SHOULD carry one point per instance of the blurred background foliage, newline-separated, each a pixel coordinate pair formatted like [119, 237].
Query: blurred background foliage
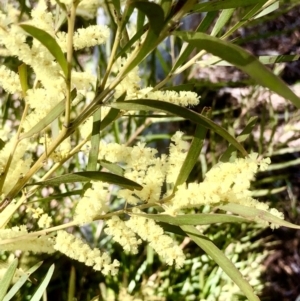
[268, 259]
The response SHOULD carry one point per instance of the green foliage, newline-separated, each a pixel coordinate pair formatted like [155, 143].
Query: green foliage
[120, 113]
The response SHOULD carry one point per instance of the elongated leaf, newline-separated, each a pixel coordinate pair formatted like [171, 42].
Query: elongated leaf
[23, 78]
[155, 16]
[149, 105]
[218, 256]
[195, 219]
[114, 168]
[256, 214]
[7, 277]
[59, 196]
[41, 289]
[187, 49]
[249, 13]
[111, 116]
[50, 117]
[50, 43]
[224, 4]
[21, 281]
[95, 141]
[241, 138]
[40, 126]
[241, 59]
[268, 10]
[86, 176]
[267, 192]
[224, 17]
[193, 153]
[72, 285]
[264, 59]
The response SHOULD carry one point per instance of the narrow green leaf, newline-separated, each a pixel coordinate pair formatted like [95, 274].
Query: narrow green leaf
[50, 43]
[193, 153]
[195, 219]
[172, 229]
[278, 166]
[49, 118]
[268, 10]
[95, 141]
[154, 13]
[248, 14]
[140, 19]
[241, 138]
[241, 59]
[166, 6]
[59, 196]
[254, 214]
[41, 289]
[7, 277]
[224, 17]
[150, 105]
[224, 4]
[136, 37]
[187, 49]
[264, 59]
[86, 176]
[72, 285]
[155, 16]
[218, 256]
[267, 192]
[114, 168]
[22, 69]
[21, 281]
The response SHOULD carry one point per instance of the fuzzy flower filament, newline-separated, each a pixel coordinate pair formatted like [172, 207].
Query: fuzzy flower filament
[76, 249]
[163, 244]
[122, 234]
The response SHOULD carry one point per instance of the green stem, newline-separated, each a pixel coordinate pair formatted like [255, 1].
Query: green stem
[71, 22]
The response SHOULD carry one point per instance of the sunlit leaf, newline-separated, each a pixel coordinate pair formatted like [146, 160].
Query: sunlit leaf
[7, 277]
[114, 168]
[22, 70]
[241, 138]
[219, 257]
[195, 219]
[187, 49]
[50, 43]
[86, 176]
[16, 287]
[241, 59]
[193, 153]
[264, 59]
[256, 214]
[41, 289]
[224, 4]
[224, 17]
[50, 117]
[268, 10]
[95, 141]
[150, 105]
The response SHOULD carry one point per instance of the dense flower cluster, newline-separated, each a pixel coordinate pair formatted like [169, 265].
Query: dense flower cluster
[42, 244]
[122, 234]
[182, 98]
[93, 203]
[143, 166]
[164, 245]
[225, 182]
[75, 248]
